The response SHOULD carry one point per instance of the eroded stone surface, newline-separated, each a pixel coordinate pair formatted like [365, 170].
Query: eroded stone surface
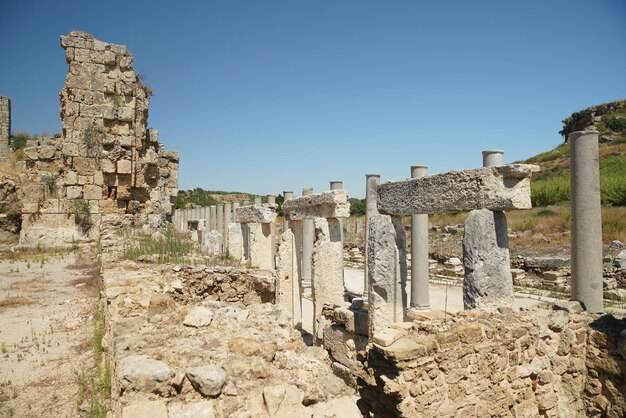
[255, 214]
[387, 272]
[330, 204]
[495, 188]
[488, 282]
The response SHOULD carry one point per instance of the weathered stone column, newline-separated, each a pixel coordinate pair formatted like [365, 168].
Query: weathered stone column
[286, 195]
[227, 219]
[207, 217]
[307, 246]
[257, 200]
[420, 291]
[338, 185]
[371, 196]
[271, 199]
[258, 220]
[287, 286]
[220, 223]
[586, 237]
[487, 282]
[213, 211]
[386, 259]
[185, 219]
[245, 202]
[492, 157]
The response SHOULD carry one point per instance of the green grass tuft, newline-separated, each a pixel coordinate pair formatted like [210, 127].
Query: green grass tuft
[171, 250]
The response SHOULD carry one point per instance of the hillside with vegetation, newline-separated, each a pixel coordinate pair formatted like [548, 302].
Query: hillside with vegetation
[551, 184]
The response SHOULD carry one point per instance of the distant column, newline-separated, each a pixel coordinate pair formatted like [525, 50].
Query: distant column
[257, 200]
[213, 212]
[286, 195]
[220, 221]
[338, 185]
[420, 292]
[586, 236]
[492, 157]
[371, 208]
[227, 220]
[271, 199]
[307, 245]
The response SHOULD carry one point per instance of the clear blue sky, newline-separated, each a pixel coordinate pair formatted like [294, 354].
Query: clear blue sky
[266, 96]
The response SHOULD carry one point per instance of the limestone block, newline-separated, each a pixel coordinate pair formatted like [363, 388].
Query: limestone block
[330, 204]
[107, 166]
[92, 192]
[343, 345]
[387, 272]
[31, 153]
[74, 192]
[124, 167]
[260, 245]
[326, 269]
[235, 241]
[255, 214]
[46, 152]
[145, 408]
[144, 374]
[85, 165]
[287, 275]
[207, 380]
[495, 188]
[199, 409]
[71, 178]
[152, 135]
[488, 282]
[212, 242]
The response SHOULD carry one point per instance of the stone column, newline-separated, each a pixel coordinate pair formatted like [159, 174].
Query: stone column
[338, 185]
[586, 237]
[271, 199]
[420, 293]
[487, 281]
[245, 202]
[371, 195]
[286, 195]
[175, 219]
[227, 220]
[492, 157]
[220, 221]
[207, 217]
[287, 287]
[386, 258]
[307, 246]
[257, 200]
[185, 213]
[213, 212]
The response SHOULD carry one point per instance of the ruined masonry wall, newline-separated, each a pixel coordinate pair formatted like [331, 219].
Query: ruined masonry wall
[540, 363]
[107, 166]
[5, 127]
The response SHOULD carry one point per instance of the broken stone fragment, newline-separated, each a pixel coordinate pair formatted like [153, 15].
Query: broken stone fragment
[142, 373]
[207, 380]
[330, 204]
[198, 317]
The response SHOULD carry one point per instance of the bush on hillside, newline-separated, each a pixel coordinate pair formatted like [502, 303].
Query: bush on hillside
[616, 124]
[19, 140]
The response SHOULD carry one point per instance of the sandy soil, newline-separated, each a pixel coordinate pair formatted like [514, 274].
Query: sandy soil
[46, 332]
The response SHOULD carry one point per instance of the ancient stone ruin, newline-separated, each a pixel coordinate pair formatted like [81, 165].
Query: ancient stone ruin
[229, 340]
[106, 168]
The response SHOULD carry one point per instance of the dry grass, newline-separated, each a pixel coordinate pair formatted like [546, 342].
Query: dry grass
[9, 167]
[16, 302]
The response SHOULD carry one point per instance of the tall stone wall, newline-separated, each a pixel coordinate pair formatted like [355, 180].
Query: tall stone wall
[107, 168]
[5, 127]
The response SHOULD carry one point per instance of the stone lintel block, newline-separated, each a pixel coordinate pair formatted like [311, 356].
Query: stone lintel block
[330, 204]
[494, 188]
[255, 214]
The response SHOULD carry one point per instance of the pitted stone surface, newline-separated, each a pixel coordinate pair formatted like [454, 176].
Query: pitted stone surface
[235, 241]
[255, 214]
[495, 188]
[387, 272]
[488, 281]
[330, 204]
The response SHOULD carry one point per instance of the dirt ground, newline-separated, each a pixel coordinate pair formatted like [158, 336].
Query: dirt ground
[46, 334]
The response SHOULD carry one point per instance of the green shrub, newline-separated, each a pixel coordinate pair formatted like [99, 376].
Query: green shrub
[49, 180]
[546, 212]
[550, 191]
[357, 207]
[19, 140]
[613, 181]
[82, 218]
[616, 124]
